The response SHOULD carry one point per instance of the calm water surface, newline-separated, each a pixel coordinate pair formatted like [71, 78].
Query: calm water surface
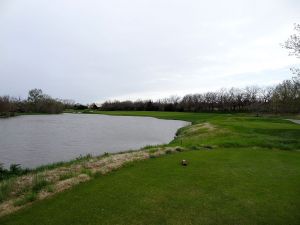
[41, 139]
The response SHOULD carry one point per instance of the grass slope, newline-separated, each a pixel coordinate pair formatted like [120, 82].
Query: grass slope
[251, 176]
[233, 130]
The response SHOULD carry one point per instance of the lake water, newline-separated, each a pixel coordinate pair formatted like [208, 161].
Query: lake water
[35, 140]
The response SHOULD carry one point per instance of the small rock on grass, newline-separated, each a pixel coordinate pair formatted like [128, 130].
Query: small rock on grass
[184, 162]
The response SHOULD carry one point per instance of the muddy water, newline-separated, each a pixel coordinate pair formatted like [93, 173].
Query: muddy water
[41, 139]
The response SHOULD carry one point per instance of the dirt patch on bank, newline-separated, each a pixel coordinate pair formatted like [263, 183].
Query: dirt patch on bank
[207, 126]
[294, 121]
[199, 129]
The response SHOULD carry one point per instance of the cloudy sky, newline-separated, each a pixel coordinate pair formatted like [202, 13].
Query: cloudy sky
[93, 50]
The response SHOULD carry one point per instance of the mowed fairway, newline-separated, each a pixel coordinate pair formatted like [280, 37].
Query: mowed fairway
[242, 170]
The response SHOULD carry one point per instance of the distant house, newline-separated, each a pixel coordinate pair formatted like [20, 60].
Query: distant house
[93, 106]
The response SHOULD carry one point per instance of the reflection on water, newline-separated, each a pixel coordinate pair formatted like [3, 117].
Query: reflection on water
[40, 139]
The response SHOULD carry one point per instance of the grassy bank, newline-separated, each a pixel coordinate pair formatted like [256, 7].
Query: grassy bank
[242, 169]
[21, 190]
[231, 130]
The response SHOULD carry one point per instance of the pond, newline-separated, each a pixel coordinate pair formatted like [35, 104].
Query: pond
[36, 140]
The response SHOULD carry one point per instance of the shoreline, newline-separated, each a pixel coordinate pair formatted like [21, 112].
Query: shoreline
[49, 180]
[56, 177]
[230, 148]
[79, 156]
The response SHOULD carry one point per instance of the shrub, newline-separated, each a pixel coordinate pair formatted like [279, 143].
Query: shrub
[29, 197]
[50, 188]
[153, 150]
[97, 174]
[87, 172]
[4, 173]
[15, 169]
[5, 189]
[194, 147]
[168, 151]
[83, 157]
[38, 183]
[66, 175]
[179, 149]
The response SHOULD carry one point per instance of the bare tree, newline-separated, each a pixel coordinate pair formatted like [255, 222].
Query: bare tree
[35, 95]
[293, 43]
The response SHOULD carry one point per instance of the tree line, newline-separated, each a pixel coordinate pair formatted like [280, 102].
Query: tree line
[37, 102]
[283, 98]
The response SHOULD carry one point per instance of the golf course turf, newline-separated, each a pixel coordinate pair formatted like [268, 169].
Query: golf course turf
[242, 169]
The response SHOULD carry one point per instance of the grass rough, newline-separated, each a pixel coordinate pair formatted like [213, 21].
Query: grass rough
[244, 170]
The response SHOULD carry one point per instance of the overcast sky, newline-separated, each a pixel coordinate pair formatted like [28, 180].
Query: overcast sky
[93, 50]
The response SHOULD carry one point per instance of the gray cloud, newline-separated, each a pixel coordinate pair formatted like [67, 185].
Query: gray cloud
[95, 50]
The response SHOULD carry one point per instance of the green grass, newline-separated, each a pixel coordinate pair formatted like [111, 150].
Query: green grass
[244, 171]
[217, 187]
[82, 158]
[5, 187]
[28, 197]
[235, 130]
[67, 175]
[38, 183]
